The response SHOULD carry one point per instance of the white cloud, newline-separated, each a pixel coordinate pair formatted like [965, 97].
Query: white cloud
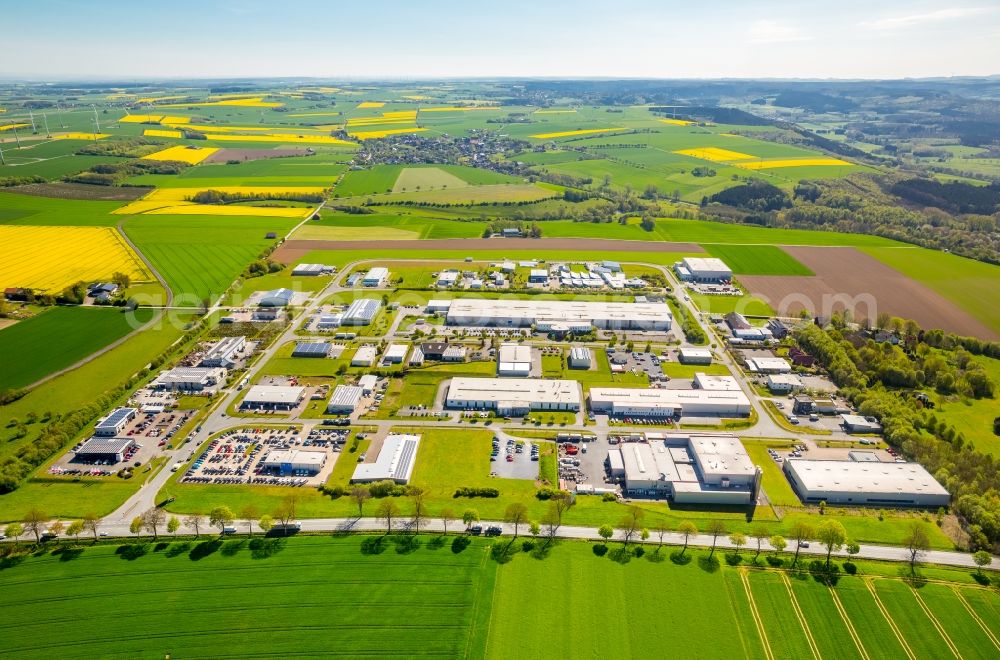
[909, 20]
[772, 32]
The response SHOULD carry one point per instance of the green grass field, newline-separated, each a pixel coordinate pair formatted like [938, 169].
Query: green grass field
[757, 260]
[28, 210]
[57, 338]
[200, 256]
[433, 596]
[971, 417]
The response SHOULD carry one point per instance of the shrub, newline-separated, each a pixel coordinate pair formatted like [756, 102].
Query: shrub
[465, 491]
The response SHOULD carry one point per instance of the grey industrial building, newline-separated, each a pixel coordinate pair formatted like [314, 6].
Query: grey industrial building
[344, 400]
[188, 379]
[395, 461]
[311, 349]
[273, 397]
[865, 482]
[107, 451]
[361, 312]
[277, 298]
[223, 353]
[115, 422]
[560, 315]
[513, 396]
[294, 462]
[579, 358]
[703, 269]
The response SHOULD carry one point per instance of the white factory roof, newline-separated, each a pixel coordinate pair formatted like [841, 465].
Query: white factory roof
[362, 308]
[345, 396]
[664, 398]
[791, 380]
[523, 390]
[713, 383]
[864, 477]
[702, 353]
[368, 382]
[396, 352]
[512, 352]
[579, 353]
[223, 349]
[720, 456]
[377, 273]
[566, 311]
[179, 375]
[365, 353]
[276, 394]
[295, 457]
[768, 364]
[395, 460]
[436, 305]
[705, 264]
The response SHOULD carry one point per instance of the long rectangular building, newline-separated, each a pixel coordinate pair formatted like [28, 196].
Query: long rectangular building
[224, 352]
[556, 315]
[690, 469]
[510, 396]
[641, 402]
[395, 461]
[361, 312]
[865, 482]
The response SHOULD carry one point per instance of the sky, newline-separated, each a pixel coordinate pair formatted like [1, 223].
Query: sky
[135, 40]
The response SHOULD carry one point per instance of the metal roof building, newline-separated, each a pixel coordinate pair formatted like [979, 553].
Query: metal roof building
[691, 469]
[311, 269]
[115, 422]
[311, 349]
[277, 298]
[365, 356]
[545, 314]
[104, 450]
[188, 379]
[714, 383]
[514, 360]
[579, 358]
[865, 482]
[294, 462]
[694, 356]
[344, 400]
[361, 312]
[769, 365]
[706, 269]
[513, 396]
[273, 397]
[375, 277]
[367, 383]
[395, 353]
[395, 461]
[640, 402]
[223, 352]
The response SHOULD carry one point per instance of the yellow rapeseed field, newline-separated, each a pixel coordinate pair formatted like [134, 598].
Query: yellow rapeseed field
[153, 132]
[51, 258]
[192, 155]
[399, 117]
[364, 105]
[791, 162]
[255, 102]
[417, 97]
[176, 201]
[174, 119]
[586, 131]
[715, 154]
[140, 119]
[373, 135]
[215, 209]
[10, 127]
[157, 99]
[676, 122]
[203, 128]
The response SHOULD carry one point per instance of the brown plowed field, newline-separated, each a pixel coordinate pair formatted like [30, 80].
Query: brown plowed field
[67, 190]
[291, 251]
[846, 278]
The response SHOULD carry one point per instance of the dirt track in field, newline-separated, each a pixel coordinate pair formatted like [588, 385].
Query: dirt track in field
[847, 278]
[291, 251]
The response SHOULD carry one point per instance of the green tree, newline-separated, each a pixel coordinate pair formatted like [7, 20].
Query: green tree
[34, 520]
[266, 523]
[250, 513]
[759, 533]
[631, 523]
[917, 542]
[687, 528]
[661, 528]
[419, 509]
[75, 529]
[470, 516]
[194, 522]
[716, 528]
[135, 527]
[388, 511]
[981, 558]
[738, 539]
[534, 529]
[360, 495]
[173, 525]
[15, 530]
[778, 543]
[800, 532]
[516, 514]
[152, 519]
[91, 523]
[833, 535]
[221, 517]
[606, 531]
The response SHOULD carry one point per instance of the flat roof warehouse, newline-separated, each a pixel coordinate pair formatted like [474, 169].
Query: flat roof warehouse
[546, 313]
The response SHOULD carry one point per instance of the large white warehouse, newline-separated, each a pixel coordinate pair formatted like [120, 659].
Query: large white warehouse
[865, 482]
[560, 315]
[691, 469]
[395, 461]
[640, 402]
[509, 396]
[703, 269]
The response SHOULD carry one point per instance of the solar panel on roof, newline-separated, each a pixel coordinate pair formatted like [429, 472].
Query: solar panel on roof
[311, 349]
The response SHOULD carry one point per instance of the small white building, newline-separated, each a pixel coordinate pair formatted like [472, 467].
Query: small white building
[514, 360]
[311, 270]
[448, 278]
[367, 383]
[715, 383]
[294, 462]
[376, 277]
[579, 358]
[273, 397]
[365, 356]
[860, 424]
[361, 312]
[689, 355]
[416, 357]
[396, 353]
[344, 400]
[538, 276]
[114, 423]
[783, 383]
[454, 353]
[768, 365]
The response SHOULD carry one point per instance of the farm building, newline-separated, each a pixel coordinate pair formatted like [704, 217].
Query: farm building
[188, 379]
[514, 360]
[311, 349]
[513, 397]
[692, 469]
[365, 356]
[312, 270]
[361, 312]
[367, 383]
[860, 424]
[396, 353]
[448, 278]
[345, 399]
[273, 397]
[277, 298]
[714, 383]
[294, 462]
[554, 315]
[395, 461]
[783, 383]
[107, 451]
[768, 365]
[642, 402]
[115, 422]
[694, 356]
[579, 358]
[703, 269]
[224, 352]
[376, 277]
[864, 482]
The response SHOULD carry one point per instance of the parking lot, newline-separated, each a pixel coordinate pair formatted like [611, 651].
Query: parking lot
[639, 362]
[514, 459]
[236, 456]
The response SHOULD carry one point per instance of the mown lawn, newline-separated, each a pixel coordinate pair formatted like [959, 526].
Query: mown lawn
[757, 260]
